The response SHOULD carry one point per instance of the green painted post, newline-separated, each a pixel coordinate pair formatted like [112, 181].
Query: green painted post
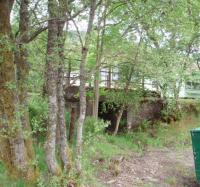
[195, 134]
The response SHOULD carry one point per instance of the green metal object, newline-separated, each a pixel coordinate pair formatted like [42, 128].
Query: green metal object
[195, 134]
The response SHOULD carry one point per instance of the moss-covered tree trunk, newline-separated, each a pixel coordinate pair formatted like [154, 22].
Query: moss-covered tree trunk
[21, 60]
[12, 142]
[52, 75]
[56, 132]
[63, 147]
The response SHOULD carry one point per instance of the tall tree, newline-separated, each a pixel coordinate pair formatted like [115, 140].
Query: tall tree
[21, 60]
[52, 77]
[61, 126]
[55, 78]
[13, 150]
[99, 54]
[82, 90]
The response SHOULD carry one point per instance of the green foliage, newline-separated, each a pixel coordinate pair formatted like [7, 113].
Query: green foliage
[114, 99]
[189, 106]
[93, 127]
[144, 126]
[38, 113]
[153, 40]
[171, 111]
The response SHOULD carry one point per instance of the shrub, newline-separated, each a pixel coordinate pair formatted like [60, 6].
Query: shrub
[171, 111]
[38, 113]
[93, 127]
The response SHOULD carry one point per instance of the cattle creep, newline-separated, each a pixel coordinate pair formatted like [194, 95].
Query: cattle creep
[13, 150]
[132, 116]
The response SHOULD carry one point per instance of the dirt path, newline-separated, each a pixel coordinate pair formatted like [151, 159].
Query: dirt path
[154, 168]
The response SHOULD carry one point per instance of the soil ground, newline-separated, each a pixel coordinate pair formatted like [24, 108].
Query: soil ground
[152, 168]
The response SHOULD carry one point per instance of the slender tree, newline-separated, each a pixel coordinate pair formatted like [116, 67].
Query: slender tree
[82, 90]
[61, 126]
[99, 54]
[21, 60]
[52, 77]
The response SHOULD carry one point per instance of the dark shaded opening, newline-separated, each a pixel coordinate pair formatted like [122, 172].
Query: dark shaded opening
[108, 113]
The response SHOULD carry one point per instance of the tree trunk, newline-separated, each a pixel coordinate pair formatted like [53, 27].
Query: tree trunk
[109, 79]
[99, 53]
[129, 117]
[52, 74]
[82, 110]
[82, 89]
[68, 75]
[72, 125]
[61, 101]
[22, 74]
[118, 119]
[96, 96]
[12, 147]
[61, 122]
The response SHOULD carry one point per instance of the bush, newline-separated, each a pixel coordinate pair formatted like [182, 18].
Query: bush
[171, 111]
[93, 127]
[38, 114]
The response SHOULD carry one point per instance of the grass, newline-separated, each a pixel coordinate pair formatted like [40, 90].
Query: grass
[172, 181]
[175, 135]
[6, 181]
[103, 147]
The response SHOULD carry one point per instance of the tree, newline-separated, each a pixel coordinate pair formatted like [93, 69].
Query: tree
[21, 60]
[82, 90]
[99, 54]
[14, 151]
[52, 77]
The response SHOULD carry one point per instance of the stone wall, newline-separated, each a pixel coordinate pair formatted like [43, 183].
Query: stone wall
[150, 109]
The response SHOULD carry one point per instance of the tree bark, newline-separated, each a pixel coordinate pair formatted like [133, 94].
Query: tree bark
[118, 119]
[72, 125]
[82, 89]
[109, 79]
[12, 143]
[60, 94]
[96, 96]
[52, 76]
[22, 73]
[99, 52]
[68, 75]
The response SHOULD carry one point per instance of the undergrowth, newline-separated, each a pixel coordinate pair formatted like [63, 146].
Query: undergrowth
[100, 148]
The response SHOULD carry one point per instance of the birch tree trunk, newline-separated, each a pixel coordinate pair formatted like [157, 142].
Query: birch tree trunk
[82, 89]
